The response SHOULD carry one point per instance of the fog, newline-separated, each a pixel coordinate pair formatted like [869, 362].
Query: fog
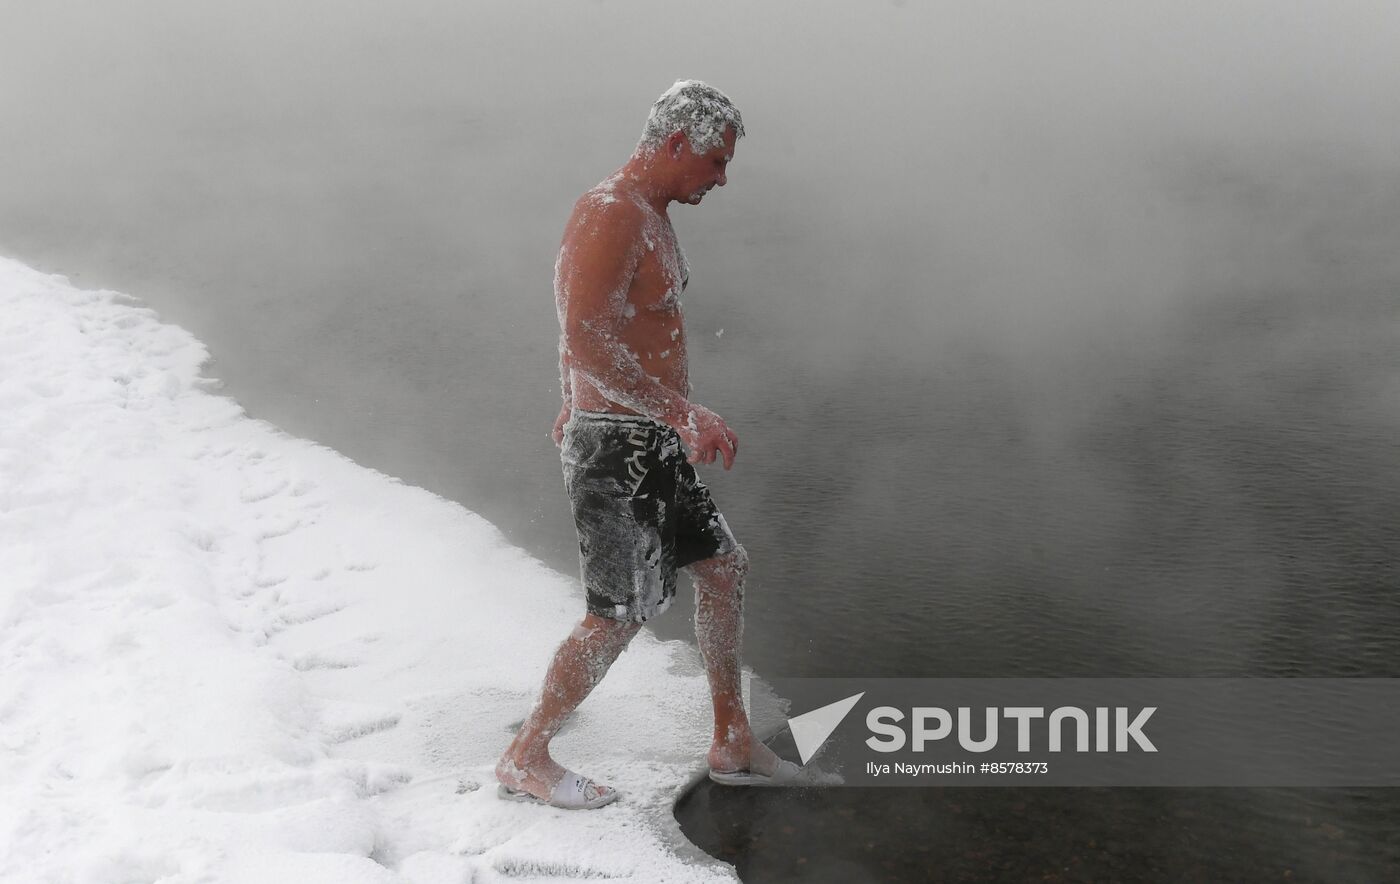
[1016, 211]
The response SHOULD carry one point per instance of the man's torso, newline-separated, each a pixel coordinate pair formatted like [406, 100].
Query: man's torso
[651, 325]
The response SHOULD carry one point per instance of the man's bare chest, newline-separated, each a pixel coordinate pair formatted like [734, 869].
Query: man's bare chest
[653, 324]
[662, 272]
[655, 287]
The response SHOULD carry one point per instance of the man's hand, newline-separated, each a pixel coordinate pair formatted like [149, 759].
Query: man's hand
[563, 418]
[706, 435]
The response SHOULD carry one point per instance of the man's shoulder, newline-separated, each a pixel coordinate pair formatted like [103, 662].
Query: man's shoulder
[604, 235]
[607, 206]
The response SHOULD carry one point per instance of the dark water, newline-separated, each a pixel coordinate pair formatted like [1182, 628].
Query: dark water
[1035, 374]
[936, 834]
[1228, 512]
[1223, 508]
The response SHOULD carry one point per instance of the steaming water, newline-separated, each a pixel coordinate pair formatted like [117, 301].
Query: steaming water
[1061, 340]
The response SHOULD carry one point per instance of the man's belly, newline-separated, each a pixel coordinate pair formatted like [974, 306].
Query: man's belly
[668, 368]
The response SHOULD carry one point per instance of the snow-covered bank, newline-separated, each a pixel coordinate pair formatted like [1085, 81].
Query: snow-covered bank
[231, 655]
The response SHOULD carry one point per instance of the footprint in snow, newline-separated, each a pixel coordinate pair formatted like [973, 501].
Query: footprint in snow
[324, 661]
[253, 495]
[363, 728]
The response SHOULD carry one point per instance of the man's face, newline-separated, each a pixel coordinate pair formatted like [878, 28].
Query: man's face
[706, 170]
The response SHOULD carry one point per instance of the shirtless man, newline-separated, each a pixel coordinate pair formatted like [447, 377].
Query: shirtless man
[640, 510]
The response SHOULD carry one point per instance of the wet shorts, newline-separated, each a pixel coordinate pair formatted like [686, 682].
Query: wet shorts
[641, 512]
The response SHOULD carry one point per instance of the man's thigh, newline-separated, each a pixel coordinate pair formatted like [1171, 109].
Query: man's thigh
[701, 532]
[626, 572]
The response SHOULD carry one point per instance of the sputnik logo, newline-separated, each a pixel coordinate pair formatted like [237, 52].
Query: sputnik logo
[810, 730]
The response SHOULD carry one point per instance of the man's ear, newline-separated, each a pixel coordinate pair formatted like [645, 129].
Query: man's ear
[676, 144]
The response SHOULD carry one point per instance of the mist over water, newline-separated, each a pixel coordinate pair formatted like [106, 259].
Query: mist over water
[1060, 338]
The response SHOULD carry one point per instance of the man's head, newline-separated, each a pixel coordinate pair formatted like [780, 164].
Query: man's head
[698, 109]
[691, 132]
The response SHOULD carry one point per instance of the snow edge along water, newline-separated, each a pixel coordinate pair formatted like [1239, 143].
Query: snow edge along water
[231, 654]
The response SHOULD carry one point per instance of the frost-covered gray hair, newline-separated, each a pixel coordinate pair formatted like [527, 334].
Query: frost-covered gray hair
[698, 109]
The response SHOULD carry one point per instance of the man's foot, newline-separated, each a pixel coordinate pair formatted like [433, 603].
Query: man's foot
[549, 782]
[574, 792]
[755, 759]
[786, 774]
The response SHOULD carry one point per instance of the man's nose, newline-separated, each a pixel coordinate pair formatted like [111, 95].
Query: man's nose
[721, 179]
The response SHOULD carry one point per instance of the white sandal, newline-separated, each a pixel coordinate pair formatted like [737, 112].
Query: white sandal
[573, 792]
[785, 773]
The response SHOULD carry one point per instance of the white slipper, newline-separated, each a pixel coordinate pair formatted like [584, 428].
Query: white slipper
[784, 774]
[573, 792]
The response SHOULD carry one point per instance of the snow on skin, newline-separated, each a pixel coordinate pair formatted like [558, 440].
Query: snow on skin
[688, 105]
[630, 390]
[231, 655]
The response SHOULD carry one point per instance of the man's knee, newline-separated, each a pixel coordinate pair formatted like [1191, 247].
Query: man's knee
[722, 573]
[736, 563]
[605, 630]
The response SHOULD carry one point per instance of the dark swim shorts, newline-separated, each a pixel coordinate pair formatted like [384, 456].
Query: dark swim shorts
[641, 512]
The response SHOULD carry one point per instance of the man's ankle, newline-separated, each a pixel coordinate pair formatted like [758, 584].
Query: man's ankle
[735, 731]
[522, 760]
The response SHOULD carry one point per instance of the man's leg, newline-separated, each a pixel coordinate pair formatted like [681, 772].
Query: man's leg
[719, 631]
[578, 665]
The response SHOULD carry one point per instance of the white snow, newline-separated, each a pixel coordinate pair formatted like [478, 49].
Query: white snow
[227, 654]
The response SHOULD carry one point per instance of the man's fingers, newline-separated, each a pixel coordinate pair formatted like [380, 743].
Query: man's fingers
[730, 449]
[723, 446]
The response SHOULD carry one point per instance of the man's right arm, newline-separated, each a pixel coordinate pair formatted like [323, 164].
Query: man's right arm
[566, 388]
